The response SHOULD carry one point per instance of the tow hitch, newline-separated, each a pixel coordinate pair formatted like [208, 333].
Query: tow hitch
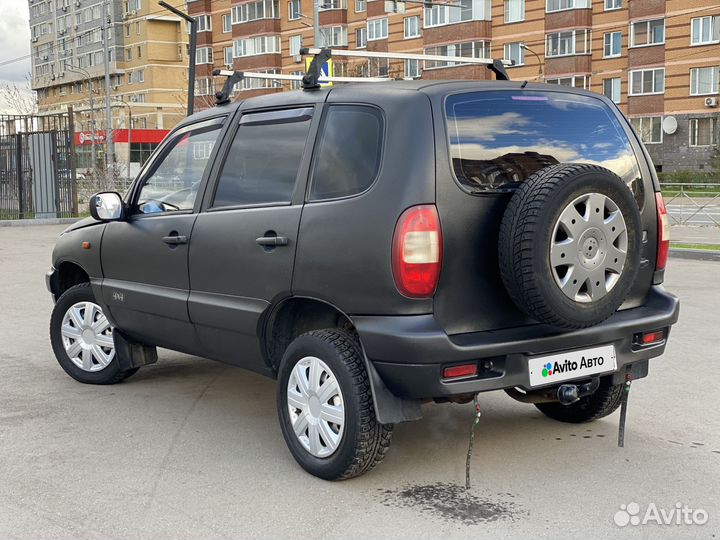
[567, 394]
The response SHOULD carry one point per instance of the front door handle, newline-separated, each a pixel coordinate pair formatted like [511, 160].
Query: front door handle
[175, 240]
[272, 241]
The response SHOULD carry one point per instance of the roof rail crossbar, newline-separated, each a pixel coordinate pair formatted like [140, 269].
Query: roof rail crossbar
[497, 66]
[233, 77]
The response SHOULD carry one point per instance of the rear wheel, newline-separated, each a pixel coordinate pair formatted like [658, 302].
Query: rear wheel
[325, 407]
[82, 338]
[603, 402]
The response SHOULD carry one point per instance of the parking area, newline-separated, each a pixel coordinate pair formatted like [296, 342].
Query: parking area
[189, 448]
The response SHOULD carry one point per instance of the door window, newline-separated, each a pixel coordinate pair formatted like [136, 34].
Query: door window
[173, 182]
[262, 164]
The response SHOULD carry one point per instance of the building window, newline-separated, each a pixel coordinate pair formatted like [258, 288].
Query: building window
[377, 29]
[612, 4]
[257, 45]
[613, 44]
[136, 77]
[514, 52]
[226, 24]
[702, 131]
[514, 11]
[204, 23]
[705, 30]
[704, 81]
[560, 5]
[252, 11]
[295, 45]
[611, 88]
[361, 38]
[378, 67]
[327, 5]
[204, 87]
[464, 10]
[336, 36]
[360, 6]
[204, 55]
[646, 33]
[648, 128]
[578, 81]
[253, 84]
[568, 43]
[647, 81]
[132, 5]
[468, 49]
[412, 27]
[412, 69]
[294, 10]
[228, 56]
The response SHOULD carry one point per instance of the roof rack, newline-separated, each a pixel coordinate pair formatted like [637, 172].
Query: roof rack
[322, 55]
[234, 77]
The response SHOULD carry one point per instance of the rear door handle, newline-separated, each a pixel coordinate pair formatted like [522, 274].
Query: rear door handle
[272, 241]
[175, 240]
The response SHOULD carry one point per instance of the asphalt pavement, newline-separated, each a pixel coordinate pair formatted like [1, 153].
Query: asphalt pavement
[189, 448]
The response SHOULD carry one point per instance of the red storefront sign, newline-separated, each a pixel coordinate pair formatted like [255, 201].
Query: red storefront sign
[83, 138]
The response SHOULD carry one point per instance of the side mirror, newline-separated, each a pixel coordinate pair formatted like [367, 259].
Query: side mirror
[106, 206]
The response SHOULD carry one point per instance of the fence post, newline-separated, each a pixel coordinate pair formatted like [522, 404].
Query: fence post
[19, 171]
[71, 160]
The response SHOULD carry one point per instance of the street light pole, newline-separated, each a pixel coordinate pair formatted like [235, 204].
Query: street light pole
[540, 64]
[193, 47]
[109, 152]
[92, 110]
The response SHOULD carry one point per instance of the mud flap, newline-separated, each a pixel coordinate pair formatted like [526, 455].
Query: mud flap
[132, 355]
[390, 409]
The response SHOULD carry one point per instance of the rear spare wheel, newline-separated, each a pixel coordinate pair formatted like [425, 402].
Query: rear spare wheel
[569, 245]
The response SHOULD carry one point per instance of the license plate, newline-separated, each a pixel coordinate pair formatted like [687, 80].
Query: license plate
[562, 366]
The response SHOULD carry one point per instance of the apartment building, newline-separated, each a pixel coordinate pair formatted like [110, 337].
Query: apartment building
[659, 60]
[148, 62]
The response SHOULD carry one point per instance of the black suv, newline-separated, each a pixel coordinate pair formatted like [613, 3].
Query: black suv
[375, 246]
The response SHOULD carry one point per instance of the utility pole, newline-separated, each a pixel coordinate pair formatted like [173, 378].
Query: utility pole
[193, 46]
[91, 92]
[107, 28]
[316, 24]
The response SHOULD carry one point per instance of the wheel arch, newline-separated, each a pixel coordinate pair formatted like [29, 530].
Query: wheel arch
[296, 315]
[66, 275]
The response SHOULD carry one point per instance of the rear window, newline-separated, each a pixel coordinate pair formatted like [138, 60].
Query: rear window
[498, 139]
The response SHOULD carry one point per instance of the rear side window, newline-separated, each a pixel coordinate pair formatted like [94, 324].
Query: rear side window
[347, 157]
[262, 164]
[498, 139]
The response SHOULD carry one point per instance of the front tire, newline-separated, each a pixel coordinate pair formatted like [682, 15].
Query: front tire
[603, 402]
[325, 407]
[82, 339]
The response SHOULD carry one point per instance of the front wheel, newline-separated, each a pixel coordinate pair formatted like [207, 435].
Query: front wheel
[82, 338]
[325, 407]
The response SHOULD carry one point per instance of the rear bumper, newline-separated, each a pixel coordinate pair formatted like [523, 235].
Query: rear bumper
[410, 352]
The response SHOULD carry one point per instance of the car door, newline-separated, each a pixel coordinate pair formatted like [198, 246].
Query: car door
[145, 257]
[243, 249]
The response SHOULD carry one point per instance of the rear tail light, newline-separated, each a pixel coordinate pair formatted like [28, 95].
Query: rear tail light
[663, 233]
[417, 251]
[458, 372]
[650, 338]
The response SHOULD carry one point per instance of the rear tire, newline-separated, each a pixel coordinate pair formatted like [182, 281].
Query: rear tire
[603, 402]
[356, 442]
[62, 328]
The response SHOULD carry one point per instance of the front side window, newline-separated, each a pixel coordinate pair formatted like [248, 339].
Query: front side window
[498, 139]
[648, 128]
[704, 81]
[262, 164]
[347, 158]
[646, 33]
[612, 44]
[647, 81]
[702, 131]
[173, 183]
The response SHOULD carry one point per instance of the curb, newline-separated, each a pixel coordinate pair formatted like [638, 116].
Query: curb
[695, 254]
[48, 221]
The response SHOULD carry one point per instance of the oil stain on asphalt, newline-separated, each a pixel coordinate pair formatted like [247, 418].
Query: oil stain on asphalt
[450, 502]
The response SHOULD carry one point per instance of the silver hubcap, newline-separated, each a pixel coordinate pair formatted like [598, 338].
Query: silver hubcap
[316, 406]
[87, 337]
[589, 247]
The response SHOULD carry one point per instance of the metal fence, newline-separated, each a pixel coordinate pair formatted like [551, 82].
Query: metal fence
[692, 203]
[37, 173]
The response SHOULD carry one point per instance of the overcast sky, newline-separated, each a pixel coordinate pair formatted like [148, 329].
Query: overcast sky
[14, 40]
